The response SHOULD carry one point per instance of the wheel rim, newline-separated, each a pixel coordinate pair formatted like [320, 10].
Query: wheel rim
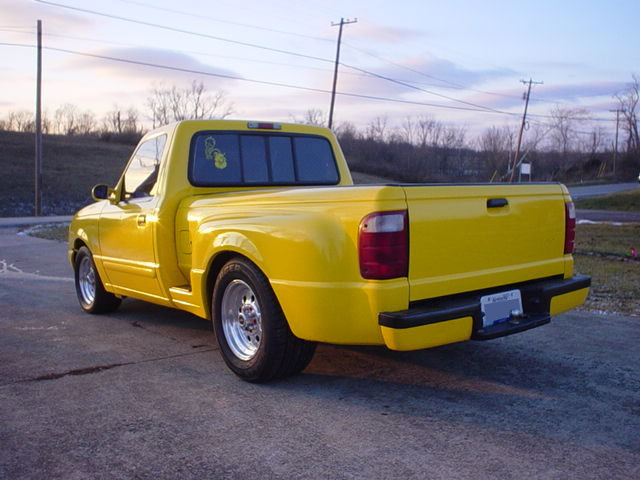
[87, 280]
[241, 319]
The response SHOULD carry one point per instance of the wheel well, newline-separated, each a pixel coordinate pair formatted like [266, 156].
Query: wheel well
[214, 269]
[77, 245]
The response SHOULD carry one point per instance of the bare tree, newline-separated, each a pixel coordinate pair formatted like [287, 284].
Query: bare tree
[20, 121]
[315, 116]
[132, 122]
[594, 141]
[113, 121]
[428, 131]
[453, 137]
[408, 130]
[86, 123]
[564, 122]
[377, 129]
[498, 146]
[168, 104]
[66, 119]
[117, 121]
[628, 100]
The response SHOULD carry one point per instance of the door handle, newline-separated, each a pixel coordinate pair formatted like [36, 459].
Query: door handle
[142, 220]
[497, 202]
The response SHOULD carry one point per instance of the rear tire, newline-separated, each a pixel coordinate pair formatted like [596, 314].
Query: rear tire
[254, 337]
[92, 296]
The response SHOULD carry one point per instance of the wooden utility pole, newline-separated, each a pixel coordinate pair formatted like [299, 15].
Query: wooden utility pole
[335, 70]
[615, 149]
[38, 169]
[524, 119]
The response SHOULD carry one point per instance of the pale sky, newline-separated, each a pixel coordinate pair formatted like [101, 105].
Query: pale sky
[474, 52]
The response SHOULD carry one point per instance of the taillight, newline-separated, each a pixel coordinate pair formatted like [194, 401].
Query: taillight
[569, 227]
[383, 245]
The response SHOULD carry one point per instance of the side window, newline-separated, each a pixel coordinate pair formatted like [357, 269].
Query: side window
[142, 172]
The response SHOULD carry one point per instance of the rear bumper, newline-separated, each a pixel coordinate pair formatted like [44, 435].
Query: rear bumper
[457, 318]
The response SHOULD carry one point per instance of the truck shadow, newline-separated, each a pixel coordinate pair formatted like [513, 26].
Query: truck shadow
[504, 385]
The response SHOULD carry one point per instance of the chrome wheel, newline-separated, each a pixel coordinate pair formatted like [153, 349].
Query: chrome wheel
[241, 319]
[87, 280]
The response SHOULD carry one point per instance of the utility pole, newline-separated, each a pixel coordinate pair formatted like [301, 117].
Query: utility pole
[38, 169]
[615, 149]
[524, 118]
[335, 70]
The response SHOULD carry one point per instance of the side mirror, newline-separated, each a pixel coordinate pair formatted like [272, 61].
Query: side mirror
[100, 192]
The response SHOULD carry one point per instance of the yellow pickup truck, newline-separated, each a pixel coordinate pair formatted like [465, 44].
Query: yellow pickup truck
[259, 228]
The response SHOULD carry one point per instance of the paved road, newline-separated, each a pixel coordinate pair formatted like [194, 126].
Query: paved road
[143, 393]
[599, 190]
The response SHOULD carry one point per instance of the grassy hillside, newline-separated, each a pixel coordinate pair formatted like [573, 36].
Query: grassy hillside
[71, 166]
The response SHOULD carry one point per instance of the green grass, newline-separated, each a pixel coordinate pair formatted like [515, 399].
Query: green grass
[71, 166]
[628, 201]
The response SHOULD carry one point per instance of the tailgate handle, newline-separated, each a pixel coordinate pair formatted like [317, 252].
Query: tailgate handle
[497, 202]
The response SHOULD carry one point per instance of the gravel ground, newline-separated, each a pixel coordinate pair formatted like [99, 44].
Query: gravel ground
[143, 393]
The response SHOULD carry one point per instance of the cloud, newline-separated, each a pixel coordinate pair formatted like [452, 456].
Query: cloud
[433, 75]
[384, 34]
[22, 13]
[127, 68]
[548, 95]
[581, 90]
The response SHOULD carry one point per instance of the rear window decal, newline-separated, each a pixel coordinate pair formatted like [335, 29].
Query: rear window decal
[213, 153]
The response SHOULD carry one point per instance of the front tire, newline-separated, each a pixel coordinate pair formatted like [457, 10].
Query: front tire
[254, 337]
[92, 296]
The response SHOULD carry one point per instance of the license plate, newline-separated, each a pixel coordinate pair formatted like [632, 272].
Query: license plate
[497, 308]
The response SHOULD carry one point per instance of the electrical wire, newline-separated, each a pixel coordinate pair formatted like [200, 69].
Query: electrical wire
[244, 79]
[187, 32]
[287, 52]
[229, 22]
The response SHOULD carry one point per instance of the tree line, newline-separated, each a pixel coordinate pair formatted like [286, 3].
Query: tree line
[126, 125]
[567, 146]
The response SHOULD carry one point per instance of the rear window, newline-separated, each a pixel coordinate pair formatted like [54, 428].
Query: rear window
[231, 158]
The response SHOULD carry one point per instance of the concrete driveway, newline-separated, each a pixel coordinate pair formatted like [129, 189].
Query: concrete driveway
[143, 393]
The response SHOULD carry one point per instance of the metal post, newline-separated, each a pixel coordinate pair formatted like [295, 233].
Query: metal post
[38, 166]
[615, 151]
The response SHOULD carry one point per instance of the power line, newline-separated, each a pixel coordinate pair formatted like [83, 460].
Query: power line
[187, 32]
[269, 83]
[244, 59]
[286, 52]
[250, 80]
[194, 52]
[229, 22]
[449, 83]
[408, 85]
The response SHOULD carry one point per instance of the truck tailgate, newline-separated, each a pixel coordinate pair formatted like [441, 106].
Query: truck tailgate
[472, 237]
